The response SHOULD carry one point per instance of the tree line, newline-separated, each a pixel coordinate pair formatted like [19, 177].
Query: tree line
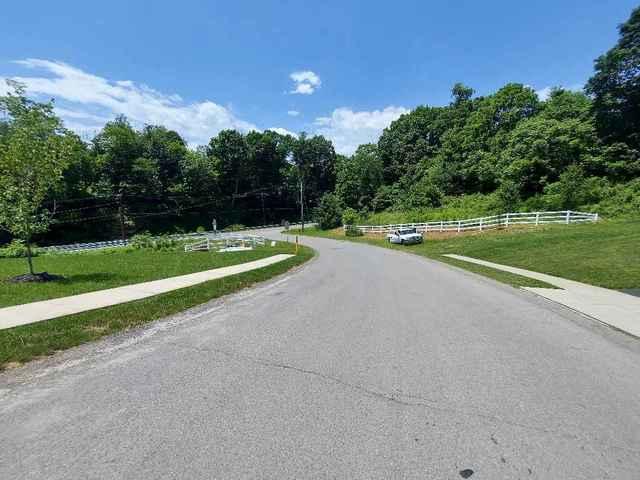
[509, 150]
[127, 180]
[504, 151]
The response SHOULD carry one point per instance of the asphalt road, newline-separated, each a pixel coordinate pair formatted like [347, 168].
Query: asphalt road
[365, 363]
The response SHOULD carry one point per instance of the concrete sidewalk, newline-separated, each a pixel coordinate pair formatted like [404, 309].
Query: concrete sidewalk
[47, 309]
[619, 310]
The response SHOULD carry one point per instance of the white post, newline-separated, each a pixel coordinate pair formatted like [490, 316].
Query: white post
[459, 226]
[537, 218]
[440, 225]
[507, 219]
[595, 217]
[568, 216]
[481, 223]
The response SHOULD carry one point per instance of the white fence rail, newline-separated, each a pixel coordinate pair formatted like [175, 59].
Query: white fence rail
[79, 247]
[224, 241]
[486, 223]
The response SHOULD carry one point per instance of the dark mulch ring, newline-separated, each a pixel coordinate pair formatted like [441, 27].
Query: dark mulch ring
[35, 277]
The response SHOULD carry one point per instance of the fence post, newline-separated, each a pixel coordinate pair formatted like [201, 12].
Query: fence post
[482, 218]
[507, 219]
[459, 225]
[595, 217]
[537, 218]
[440, 225]
[568, 216]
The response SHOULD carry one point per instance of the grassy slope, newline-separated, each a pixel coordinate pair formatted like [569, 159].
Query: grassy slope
[605, 254]
[24, 343]
[89, 271]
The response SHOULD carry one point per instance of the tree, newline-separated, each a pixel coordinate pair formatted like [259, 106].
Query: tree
[118, 147]
[411, 138]
[615, 87]
[230, 149]
[166, 150]
[314, 159]
[33, 155]
[473, 150]
[124, 170]
[200, 174]
[358, 177]
[461, 93]
[267, 156]
[328, 214]
[540, 149]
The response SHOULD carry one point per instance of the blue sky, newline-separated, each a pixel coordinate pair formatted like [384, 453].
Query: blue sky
[348, 68]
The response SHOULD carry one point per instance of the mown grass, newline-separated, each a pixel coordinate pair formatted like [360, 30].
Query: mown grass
[24, 343]
[90, 271]
[605, 254]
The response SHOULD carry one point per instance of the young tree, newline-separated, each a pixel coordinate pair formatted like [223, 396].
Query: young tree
[34, 152]
[328, 214]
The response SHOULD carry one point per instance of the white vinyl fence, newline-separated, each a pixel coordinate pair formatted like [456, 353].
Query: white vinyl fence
[486, 223]
[223, 241]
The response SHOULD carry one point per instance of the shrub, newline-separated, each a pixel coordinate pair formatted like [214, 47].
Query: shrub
[350, 217]
[141, 240]
[200, 229]
[234, 227]
[164, 242]
[329, 212]
[352, 231]
[145, 240]
[16, 249]
[507, 197]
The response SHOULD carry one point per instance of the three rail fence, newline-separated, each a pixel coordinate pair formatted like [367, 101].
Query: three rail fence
[504, 220]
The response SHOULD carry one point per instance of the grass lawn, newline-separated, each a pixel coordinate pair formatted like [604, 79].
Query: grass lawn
[21, 344]
[89, 271]
[606, 253]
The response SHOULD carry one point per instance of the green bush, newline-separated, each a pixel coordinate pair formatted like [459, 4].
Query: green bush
[352, 231]
[164, 242]
[141, 240]
[350, 217]
[145, 240]
[201, 229]
[329, 212]
[16, 249]
[234, 227]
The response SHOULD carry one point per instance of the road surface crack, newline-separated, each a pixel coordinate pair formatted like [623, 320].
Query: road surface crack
[405, 399]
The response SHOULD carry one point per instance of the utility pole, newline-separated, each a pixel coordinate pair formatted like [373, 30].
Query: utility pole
[301, 204]
[264, 218]
[123, 233]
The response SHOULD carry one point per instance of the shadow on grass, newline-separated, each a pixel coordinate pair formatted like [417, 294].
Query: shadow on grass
[87, 277]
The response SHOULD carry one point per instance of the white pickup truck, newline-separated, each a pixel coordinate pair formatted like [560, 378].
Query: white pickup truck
[406, 236]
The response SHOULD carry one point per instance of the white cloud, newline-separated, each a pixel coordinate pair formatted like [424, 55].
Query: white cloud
[293, 113]
[283, 131]
[4, 88]
[348, 129]
[305, 82]
[89, 101]
[544, 93]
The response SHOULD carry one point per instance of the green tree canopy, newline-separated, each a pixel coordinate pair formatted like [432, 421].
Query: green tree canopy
[358, 177]
[34, 152]
[615, 87]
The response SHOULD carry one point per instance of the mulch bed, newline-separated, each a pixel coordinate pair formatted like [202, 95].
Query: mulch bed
[35, 277]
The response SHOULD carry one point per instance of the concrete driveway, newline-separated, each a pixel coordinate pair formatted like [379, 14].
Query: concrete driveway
[366, 363]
